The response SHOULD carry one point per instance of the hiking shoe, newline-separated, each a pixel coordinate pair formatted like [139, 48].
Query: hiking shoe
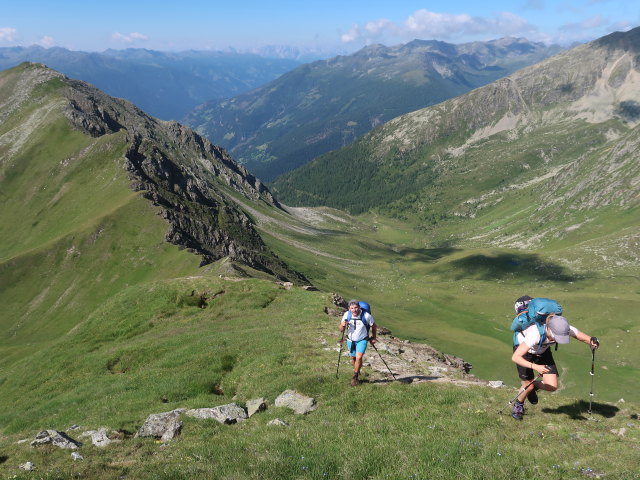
[518, 410]
[354, 380]
[532, 396]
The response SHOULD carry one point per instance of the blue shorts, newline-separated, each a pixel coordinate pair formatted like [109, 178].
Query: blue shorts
[357, 346]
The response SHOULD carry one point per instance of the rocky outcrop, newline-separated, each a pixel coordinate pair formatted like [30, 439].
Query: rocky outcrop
[190, 181]
[55, 438]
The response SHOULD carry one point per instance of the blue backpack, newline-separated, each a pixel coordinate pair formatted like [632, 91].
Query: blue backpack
[365, 308]
[537, 312]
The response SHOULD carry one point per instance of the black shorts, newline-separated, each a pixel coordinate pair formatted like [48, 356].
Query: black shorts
[546, 358]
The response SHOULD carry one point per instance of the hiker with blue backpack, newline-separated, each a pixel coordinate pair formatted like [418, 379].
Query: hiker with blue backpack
[361, 330]
[535, 330]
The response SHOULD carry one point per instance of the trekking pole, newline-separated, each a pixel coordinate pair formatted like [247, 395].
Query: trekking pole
[385, 363]
[592, 373]
[519, 392]
[340, 354]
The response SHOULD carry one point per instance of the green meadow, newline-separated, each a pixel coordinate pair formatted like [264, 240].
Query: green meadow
[461, 300]
[102, 325]
[151, 348]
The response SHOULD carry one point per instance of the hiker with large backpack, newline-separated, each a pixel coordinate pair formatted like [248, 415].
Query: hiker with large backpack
[535, 330]
[361, 330]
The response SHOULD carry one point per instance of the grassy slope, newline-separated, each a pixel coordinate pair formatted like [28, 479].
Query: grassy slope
[78, 255]
[460, 299]
[73, 233]
[149, 349]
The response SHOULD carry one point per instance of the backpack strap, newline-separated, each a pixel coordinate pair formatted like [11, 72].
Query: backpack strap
[542, 330]
[362, 319]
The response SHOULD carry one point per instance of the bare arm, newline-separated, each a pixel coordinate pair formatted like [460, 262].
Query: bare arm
[518, 358]
[591, 341]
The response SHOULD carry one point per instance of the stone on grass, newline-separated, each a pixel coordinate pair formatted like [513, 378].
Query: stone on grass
[225, 414]
[58, 439]
[76, 456]
[279, 422]
[164, 426]
[300, 404]
[256, 405]
[496, 383]
[27, 466]
[98, 437]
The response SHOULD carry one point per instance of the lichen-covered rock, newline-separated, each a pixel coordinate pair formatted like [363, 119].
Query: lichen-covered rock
[225, 414]
[256, 405]
[164, 426]
[58, 439]
[297, 402]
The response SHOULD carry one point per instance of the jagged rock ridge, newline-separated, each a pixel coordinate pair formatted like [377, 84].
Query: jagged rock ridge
[189, 179]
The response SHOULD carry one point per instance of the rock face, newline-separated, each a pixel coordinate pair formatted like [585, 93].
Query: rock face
[58, 439]
[195, 186]
[187, 177]
[164, 426]
[297, 402]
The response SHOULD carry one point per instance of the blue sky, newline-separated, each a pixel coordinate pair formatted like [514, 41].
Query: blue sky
[345, 25]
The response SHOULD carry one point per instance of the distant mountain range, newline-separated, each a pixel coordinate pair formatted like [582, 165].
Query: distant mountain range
[547, 154]
[326, 105]
[166, 85]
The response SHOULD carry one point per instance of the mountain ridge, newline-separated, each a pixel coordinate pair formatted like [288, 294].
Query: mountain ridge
[542, 130]
[327, 104]
[98, 195]
[164, 84]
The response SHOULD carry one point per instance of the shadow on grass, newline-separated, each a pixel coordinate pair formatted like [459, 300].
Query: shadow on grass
[3, 459]
[409, 379]
[505, 265]
[425, 255]
[579, 410]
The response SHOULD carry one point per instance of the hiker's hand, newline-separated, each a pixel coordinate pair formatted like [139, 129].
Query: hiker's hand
[541, 369]
[373, 341]
[594, 342]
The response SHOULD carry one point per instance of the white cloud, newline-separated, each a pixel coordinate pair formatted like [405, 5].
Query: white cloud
[445, 25]
[621, 26]
[130, 38]
[7, 34]
[378, 27]
[425, 24]
[587, 24]
[352, 35]
[46, 42]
